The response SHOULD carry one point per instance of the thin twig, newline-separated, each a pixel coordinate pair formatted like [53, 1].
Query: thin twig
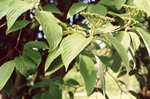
[115, 81]
[2, 25]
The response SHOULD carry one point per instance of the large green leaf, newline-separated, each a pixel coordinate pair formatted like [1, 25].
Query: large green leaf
[50, 27]
[88, 71]
[15, 10]
[124, 38]
[5, 71]
[98, 8]
[100, 72]
[146, 38]
[143, 5]
[119, 48]
[52, 55]
[25, 65]
[4, 4]
[135, 40]
[18, 25]
[75, 8]
[71, 46]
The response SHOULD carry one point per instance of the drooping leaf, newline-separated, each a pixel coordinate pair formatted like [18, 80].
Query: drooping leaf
[50, 58]
[50, 27]
[135, 40]
[98, 8]
[17, 26]
[25, 65]
[124, 38]
[143, 5]
[15, 10]
[146, 38]
[119, 48]
[88, 71]
[76, 8]
[71, 46]
[100, 72]
[5, 71]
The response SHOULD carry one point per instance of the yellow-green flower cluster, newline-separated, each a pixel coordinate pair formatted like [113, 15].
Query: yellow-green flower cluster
[133, 11]
[96, 20]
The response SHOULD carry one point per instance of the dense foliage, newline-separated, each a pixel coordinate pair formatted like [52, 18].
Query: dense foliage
[42, 40]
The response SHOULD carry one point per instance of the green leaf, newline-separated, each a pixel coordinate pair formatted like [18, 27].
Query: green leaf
[71, 46]
[97, 8]
[107, 28]
[3, 7]
[50, 27]
[88, 71]
[119, 48]
[54, 66]
[25, 65]
[31, 50]
[52, 55]
[8, 88]
[107, 2]
[76, 8]
[119, 3]
[114, 61]
[124, 38]
[17, 26]
[15, 10]
[5, 71]
[35, 44]
[135, 40]
[100, 67]
[146, 38]
[52, 9]
[143, 5]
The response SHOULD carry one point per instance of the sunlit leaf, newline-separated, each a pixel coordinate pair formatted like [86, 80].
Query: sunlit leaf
[50, 27]
[143, 5]
[98, 8]
[88, 71]
[50, 58]
[71, 46]
[76, 8]
[119, 48]
[124, 38]
[135, 40]
[15, 10]
[146, 38]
